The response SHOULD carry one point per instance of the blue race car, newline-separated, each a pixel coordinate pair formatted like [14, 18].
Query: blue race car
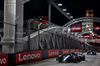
[91, 52]
[73, 57]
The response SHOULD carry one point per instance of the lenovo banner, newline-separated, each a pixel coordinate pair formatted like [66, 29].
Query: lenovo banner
[96, 27]
[77, 50]
[65, 51]
[86, 36]
[80, 50]
[28, 56]
[76, 27]
[3, 59]
[53, 53]
[72, 50]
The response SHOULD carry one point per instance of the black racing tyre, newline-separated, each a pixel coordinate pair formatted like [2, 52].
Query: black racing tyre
[67, 61]
[75, 59]
[83, 58]
[60, 60]
[57, 59]
[87, 53]
[94, 53]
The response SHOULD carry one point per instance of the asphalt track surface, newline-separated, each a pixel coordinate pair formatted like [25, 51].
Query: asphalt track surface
[91, 60]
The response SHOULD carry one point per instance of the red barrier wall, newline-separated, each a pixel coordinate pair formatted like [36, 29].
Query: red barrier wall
[80, 50]
[65, 51]
[9, 59]
[3, 59]
[72, 50]
[77, 50]
[53, 53]
[28, 56]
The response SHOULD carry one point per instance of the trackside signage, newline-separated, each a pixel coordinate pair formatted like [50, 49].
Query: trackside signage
[3, 59]
[77, 50]
[53, 53]
[76, 28]
[80, 50]
[97, 28]
[72, 50]
[28, 56]
[86, 36]
[65, 51]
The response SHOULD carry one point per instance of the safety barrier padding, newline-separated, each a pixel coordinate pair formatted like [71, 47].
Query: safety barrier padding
[44, 54]
[72, 50]
[65, 51]
[28, 56]
[53, 53]
[18, 58]
[3, 59]
[12, 59]
[77, 50]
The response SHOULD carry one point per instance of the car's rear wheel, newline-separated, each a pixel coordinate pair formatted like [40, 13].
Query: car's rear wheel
[75, 60]
[60, 60]
[83, 58]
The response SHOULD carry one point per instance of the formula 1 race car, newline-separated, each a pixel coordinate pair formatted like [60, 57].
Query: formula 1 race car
[91, 52]
[73, 57]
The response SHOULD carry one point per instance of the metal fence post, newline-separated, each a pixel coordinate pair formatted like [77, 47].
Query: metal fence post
[39, 34]
[28, 37]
